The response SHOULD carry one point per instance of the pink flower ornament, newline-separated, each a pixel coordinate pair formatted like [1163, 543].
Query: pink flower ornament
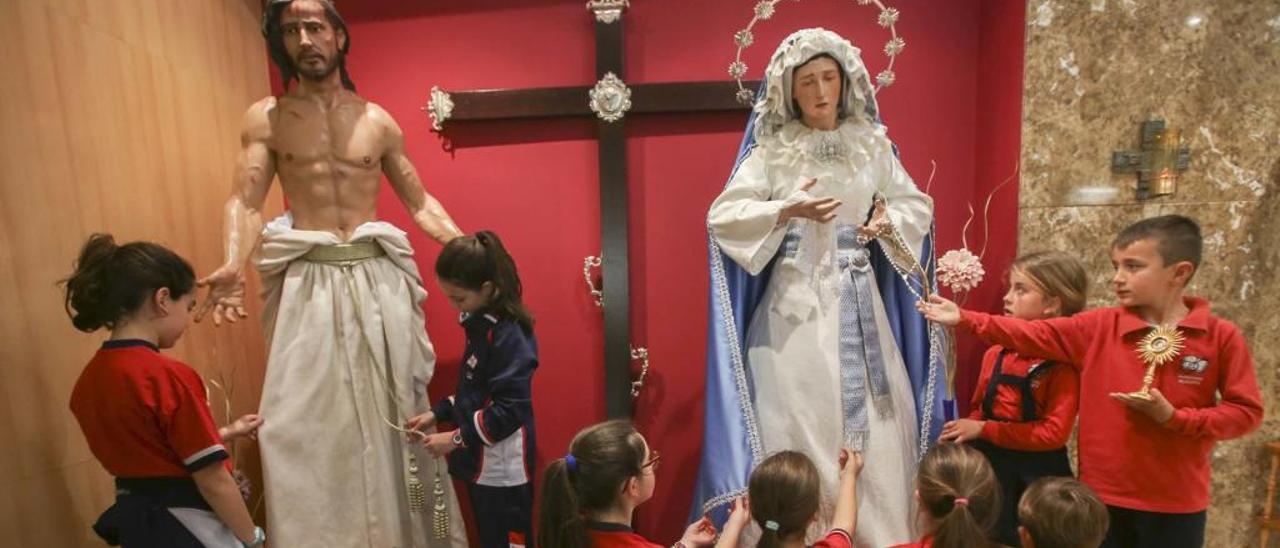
[960, 270]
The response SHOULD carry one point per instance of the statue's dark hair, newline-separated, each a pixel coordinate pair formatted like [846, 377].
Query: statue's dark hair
[275, 40]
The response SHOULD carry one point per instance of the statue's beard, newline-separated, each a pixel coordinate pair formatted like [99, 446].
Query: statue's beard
[315, 74]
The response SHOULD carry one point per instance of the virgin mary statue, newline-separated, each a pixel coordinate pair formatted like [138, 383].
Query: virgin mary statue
[814, 344]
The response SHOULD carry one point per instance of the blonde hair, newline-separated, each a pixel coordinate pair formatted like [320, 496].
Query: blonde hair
[1061, 512]
[1056, 274]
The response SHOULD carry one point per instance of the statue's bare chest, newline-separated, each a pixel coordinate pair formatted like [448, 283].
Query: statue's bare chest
[308, 139]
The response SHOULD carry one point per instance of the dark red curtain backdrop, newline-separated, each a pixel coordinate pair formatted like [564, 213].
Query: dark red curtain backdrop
[957, 102]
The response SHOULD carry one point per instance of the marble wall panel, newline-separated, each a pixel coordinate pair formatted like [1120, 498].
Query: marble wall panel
[1095, 69]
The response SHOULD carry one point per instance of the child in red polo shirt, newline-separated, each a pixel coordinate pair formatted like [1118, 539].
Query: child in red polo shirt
[144, 415]
[1024, 408]
[1147, 458]
[589, 495]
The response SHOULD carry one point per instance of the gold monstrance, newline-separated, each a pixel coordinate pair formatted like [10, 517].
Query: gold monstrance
[1160, 346]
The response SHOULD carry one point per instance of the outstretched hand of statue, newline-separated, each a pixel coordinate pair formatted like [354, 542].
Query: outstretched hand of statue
[817, 209]
[878, 224]
[225, 297]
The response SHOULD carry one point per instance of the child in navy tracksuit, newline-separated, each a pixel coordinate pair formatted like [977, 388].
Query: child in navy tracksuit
[491, 448]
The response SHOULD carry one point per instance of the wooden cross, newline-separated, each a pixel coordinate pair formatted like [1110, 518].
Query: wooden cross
[610, 100]
[1157, 164]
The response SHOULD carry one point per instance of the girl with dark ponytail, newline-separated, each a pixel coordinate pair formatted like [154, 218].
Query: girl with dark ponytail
[144, 415]
[589, 495]
[477, 273]
[959, 498]
[491, 445]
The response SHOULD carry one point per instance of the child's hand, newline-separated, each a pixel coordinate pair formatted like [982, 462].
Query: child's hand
[850, 462]
[246, 486]
[699, 533]
[1156, 407]
[939, 310]
[960, 431]
[740, 516]
[420, 422]
[440, 443]
[243, 426]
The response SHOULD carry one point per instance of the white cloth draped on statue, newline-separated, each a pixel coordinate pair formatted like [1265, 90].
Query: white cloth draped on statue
[794, 339]
[347, 343]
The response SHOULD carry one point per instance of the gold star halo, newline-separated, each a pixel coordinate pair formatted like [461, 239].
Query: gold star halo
[1161, 345]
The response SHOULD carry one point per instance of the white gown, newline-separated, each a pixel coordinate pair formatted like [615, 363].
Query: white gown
[793, 337]
[339, 339]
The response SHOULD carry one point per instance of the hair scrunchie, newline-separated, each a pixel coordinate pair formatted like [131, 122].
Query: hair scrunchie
[571, 463]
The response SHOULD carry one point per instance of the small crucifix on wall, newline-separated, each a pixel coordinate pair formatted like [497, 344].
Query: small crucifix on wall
[1159, 162]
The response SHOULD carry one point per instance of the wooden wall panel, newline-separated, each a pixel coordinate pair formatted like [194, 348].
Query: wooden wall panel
[119, 116]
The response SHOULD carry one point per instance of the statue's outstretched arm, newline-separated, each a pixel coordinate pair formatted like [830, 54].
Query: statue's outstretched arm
[242, 216]
[427, 212]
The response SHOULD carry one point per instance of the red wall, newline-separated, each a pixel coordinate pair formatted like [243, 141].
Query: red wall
[956, 102]
[997, 148]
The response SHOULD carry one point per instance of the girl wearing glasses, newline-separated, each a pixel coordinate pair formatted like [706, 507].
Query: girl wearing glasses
[589, 495]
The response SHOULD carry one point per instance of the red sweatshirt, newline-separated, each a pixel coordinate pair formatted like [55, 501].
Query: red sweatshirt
[1128, 459]
[1057, 395]
[926, 542]
[616, 535]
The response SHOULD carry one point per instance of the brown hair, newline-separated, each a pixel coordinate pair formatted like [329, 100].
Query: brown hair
[470, 261]
[958, 490]
[1062, 513]
[112, 281]
[1177, 238]
[1056, 274]
[590, 478]
[784, 490]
